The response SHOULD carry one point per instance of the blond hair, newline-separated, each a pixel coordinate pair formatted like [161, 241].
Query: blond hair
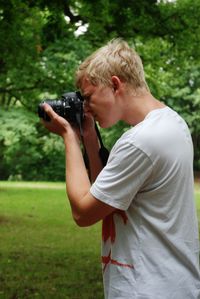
[116, 58]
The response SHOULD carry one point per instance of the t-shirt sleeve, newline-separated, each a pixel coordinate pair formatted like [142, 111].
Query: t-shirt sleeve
[122, 178]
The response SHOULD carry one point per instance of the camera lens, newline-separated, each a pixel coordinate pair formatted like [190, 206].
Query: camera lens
[69, 106]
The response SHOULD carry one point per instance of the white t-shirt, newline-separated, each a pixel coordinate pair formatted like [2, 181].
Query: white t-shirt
[150, 246]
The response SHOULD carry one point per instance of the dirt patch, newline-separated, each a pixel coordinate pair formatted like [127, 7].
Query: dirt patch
[4, 219]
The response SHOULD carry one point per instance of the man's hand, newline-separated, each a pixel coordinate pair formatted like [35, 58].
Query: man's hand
[57, 124]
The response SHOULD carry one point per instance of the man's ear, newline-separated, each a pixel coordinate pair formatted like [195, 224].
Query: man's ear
[116, 83]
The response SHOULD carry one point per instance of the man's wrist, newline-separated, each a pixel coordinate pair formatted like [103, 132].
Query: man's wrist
[70, 137]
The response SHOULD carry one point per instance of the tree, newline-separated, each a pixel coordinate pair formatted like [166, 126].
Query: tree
[38, 56]
[28, 152]
[40, 50]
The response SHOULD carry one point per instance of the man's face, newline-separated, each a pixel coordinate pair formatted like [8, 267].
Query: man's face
[100, 101]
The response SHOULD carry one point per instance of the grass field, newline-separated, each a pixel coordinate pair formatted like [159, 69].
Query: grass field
[43, 254]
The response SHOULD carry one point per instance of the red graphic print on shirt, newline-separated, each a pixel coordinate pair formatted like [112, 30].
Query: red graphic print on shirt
[109, 231]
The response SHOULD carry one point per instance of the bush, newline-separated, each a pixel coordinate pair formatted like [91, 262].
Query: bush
[28, 151]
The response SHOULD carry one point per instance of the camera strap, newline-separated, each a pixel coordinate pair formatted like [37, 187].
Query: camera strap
[103, 152]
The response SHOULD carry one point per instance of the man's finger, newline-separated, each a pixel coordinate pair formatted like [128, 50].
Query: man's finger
[48, 110]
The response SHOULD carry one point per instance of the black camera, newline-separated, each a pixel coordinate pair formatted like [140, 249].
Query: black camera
[69, 106]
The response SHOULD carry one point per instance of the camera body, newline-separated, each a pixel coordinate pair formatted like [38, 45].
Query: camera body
[69, 106]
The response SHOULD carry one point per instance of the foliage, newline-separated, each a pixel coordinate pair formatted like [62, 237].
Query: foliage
[45, 54]
[42, 44]
[26, 152]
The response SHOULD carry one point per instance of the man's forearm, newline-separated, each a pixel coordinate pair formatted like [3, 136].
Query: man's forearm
[77, 180]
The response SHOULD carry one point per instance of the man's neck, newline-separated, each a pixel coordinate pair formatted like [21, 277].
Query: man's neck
[136, 107]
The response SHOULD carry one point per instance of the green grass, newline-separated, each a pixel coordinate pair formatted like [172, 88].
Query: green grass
[43, 254]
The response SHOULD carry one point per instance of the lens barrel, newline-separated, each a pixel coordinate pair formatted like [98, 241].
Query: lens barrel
[69, 106]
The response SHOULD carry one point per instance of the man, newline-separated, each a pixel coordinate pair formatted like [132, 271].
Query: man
[144, 194]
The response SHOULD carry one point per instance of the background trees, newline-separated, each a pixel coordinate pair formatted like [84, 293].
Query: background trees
[42, 44]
